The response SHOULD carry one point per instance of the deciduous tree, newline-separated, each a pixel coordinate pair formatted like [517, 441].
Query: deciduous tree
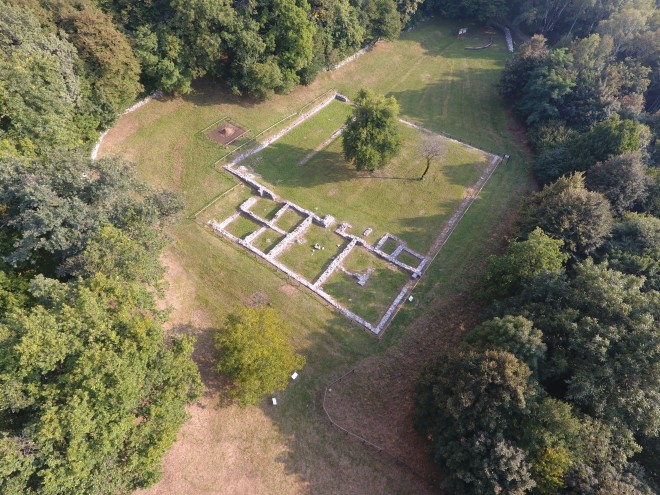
[371, 137]
[93, 394]
[566, 210]
[622, 180]
[522, 261]
[513, 334]
[255, 352]
[466, 403]
[432, 147]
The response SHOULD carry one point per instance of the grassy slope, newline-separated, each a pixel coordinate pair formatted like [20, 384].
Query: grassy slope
[290, 449]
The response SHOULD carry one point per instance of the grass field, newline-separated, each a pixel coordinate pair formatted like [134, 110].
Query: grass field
[291, 448]
[390, 200]
[372, 300]
[307, 261]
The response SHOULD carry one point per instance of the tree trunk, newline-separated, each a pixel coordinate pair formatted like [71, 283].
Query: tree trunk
[428, 164]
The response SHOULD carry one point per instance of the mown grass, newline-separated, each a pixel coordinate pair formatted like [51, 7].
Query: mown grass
[242, 227]
[439, 85]
[391, 200]
[267, 240]
[303, 258]
[408, 259]
[289, 220]
[371, 300]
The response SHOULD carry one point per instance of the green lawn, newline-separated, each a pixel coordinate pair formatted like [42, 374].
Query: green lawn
[242, 227]
[372, 300]
[265, 208]
[390, 200]
[289, 220]
[302, 258]
[267, 240]
[408, 259]
[439, 85]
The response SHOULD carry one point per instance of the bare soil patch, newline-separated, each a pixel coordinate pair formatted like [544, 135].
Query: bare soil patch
[226, 133]
[290, 290]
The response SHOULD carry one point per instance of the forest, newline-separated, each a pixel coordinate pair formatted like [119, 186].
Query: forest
[558, 391]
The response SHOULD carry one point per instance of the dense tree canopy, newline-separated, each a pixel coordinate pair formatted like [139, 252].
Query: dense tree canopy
[634, 248]
[622, 180]
[371, 137]
[467, 403]
[586, 85]
[513, 334]
[255, 352]
[92, 393]
[522, 261]
[52, 207]
[566, 210]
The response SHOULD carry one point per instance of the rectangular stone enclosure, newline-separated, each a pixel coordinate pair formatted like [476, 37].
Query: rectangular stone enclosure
[366, 273]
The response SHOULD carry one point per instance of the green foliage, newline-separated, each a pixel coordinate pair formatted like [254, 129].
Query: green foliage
[552, 435]
[613, 343]
[255, 353]
[40, 88]
[481, 10]
[549, 135]
[467, 403]
[622, 180]
[54, 206]
[111, 67]
[602, 342]
[387, 23]
[634, 248]
[566, 210]
[93, 393]
[604, 140]
[547, 87]
[121, 254]
[512, 334]
[611, 137]
[577, 85]
[521, 66]
[371, 137]
[522, 261]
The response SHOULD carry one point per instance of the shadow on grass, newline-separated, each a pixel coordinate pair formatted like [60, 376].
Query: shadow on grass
[447, 44]
[278, 165]
[204, 354]
[340, 463]
[208, 91]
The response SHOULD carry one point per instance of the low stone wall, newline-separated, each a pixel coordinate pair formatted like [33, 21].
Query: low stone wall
[245, 208]
[322, 294]
[392, 258]
[354, 56]
[335, 264]
[324, 222]
[289, 238]
[268, 141]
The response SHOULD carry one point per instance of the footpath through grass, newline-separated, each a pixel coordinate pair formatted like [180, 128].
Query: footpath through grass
[290, 448]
